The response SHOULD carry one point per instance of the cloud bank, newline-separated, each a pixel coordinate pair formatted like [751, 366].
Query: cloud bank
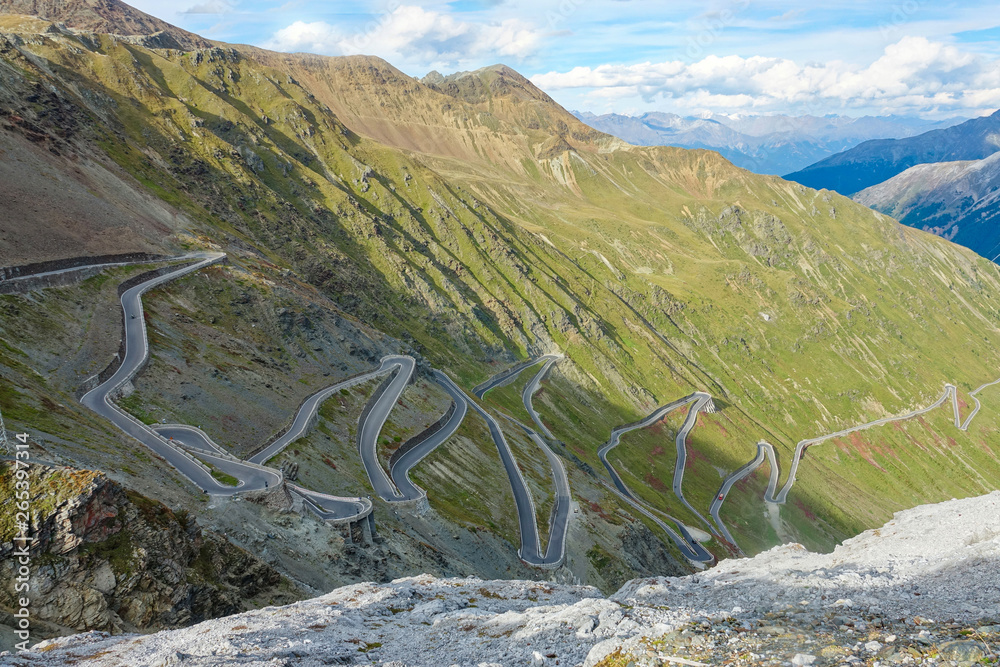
[914, 74]
[413, 34]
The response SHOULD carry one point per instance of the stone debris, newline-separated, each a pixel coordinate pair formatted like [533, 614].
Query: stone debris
[890, 596]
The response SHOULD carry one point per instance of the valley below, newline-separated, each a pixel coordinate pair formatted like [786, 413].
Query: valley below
[274, 325]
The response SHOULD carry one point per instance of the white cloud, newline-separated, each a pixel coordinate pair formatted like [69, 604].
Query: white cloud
[912, 75]
[210, 7]
[410, 33]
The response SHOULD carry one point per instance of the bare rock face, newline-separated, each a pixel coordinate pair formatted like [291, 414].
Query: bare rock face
[107, 558]
[110, 16]
[889, 596]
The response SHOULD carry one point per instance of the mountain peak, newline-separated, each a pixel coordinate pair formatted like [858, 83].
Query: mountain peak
[105, 16]
[486, 82]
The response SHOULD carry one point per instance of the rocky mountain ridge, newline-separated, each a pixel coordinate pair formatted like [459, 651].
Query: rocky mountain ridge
[879, 160]
[956, 200]
[775, 144]
[109, 16]
[887, 596]
[476, 226]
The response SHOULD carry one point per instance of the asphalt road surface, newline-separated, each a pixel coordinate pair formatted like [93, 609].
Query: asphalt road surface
[530, 551]
[617, 433]
[329, 508]
[136, 353]
[250, 476]
[374, 419]
[532, 387]
[765, 448]
[503, 378]
[555, 550]
[690, 547]
[400, 471]
[307, 412]
[702, 400]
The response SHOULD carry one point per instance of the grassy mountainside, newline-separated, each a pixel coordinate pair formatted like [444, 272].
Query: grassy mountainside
[477, 222]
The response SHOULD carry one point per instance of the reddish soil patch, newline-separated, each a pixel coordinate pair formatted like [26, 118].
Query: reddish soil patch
[695, 453]
[917, 443]
[660, 428]
[655, 482]
[809, 515]
[865, 449]
[748, 482]
[599, 511]
[657, 451]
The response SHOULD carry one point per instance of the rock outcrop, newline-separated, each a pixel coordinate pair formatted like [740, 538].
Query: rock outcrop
[107, 558]
[890, 596]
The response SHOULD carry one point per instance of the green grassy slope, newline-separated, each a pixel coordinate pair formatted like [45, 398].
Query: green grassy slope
[657, 271]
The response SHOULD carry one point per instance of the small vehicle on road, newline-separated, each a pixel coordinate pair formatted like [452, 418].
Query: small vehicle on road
[722, 496]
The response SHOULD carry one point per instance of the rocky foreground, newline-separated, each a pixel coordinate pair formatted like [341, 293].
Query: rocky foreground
[923, 589]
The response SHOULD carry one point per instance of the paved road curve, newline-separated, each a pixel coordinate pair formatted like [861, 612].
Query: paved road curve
[333, 508]
[400, 471]
[503, 378]
[250, 476]
[136, 353]
[532, 387]
[618, 432]
[765, 448]
[374, 418]
[530, 551]
[555, 550]
[690, 547]
[307, 412]
[703, 401]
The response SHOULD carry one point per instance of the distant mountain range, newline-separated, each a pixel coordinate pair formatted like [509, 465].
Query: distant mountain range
[876, 161]
[763, 144]
[957, 200]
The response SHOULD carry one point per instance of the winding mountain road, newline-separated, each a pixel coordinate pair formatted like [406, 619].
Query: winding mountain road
[400, 470]
[619, 431]
[99, 400]
[530, 551]
[307, 412]
[691, 548]
[555, 550]
[182, 446]
[503, 378]
[333, 508]
[702, 402]
[766, 448]
[170, 440]
[532, 387]
[373, 419]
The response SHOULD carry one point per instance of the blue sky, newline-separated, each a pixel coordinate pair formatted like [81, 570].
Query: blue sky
[919, 57]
